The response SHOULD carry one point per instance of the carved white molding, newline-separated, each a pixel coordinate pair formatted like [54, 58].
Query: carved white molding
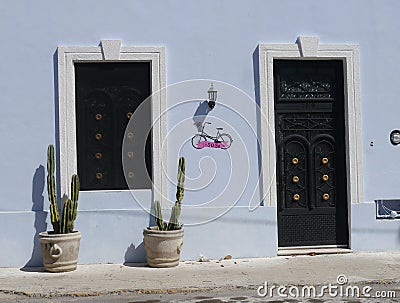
[309, 48]
[110, 50]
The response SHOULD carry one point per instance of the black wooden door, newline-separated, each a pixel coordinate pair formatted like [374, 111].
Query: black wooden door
[310, 145]
[107, 95]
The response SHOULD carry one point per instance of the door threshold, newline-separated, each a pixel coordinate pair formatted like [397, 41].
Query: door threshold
[312, 250]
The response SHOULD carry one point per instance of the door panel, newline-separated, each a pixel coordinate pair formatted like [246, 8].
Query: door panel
[310, 145]
[107, 95]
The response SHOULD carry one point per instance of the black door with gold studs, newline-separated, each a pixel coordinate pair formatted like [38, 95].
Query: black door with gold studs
[310, 145]
[107, 95]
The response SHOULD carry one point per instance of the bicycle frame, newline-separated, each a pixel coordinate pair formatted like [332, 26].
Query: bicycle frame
[203, 133]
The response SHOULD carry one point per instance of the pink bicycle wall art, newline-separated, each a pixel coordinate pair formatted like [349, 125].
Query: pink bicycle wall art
[201, 140]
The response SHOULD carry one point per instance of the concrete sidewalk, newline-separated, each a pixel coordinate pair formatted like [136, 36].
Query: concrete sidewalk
[91, 280]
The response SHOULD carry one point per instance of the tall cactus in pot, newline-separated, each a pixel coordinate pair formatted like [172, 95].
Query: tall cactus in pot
[163, 243]
[65, 223]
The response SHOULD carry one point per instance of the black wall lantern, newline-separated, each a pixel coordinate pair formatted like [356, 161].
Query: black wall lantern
[395, 137]
[212, 96]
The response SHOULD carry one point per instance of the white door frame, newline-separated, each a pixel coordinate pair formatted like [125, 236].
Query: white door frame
[110, 51]
[309, 48]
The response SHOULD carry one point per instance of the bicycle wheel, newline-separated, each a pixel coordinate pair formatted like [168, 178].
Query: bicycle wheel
[227, 139]
[198, 139]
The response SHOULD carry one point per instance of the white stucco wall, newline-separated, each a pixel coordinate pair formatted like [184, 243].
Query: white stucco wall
[204, 40]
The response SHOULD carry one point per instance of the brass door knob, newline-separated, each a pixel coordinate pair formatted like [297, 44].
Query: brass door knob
[296, 197]
[98, 156]
[295, 179]
[325, 196]
[325, 178]
[295, 161]
[99, 136]
[99, 117]
[325, 160]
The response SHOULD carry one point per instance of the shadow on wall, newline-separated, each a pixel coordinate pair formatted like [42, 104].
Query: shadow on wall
[201, 114]
[40, 216]
[135, 256]
[256, 71]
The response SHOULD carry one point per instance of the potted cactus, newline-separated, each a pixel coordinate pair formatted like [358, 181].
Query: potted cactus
[60, 247]
[163, 243]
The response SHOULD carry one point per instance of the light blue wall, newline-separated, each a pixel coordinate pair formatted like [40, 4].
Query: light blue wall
[370, 234]
[204, 39]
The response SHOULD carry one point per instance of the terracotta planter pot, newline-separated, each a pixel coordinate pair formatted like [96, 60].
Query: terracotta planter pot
[60, 251]
[163, 248]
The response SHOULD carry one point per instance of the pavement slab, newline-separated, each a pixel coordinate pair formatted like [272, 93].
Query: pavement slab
[191, 276]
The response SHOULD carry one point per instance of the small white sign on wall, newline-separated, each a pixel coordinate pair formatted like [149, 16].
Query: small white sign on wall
[387, 209]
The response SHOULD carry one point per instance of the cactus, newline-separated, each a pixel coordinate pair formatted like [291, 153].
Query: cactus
[159, 220]
[51, 190]
[180, 188]
[70, 205]
[75, 186]
[173, 223]
[181, 180]
[66, 216]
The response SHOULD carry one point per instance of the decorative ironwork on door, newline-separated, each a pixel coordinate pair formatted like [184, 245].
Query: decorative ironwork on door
[309, 113]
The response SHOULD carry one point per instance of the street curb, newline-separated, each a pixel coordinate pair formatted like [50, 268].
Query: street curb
[167, 291]
[101, 293]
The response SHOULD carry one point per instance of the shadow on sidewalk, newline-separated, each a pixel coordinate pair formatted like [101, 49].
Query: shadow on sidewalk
[136, 264]
[33, 269]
